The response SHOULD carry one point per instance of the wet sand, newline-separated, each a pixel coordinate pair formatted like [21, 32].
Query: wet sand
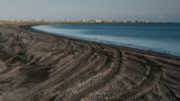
[37, 66]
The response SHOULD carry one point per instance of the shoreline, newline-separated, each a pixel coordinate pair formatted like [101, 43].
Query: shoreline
[143, 51]
[40, 66]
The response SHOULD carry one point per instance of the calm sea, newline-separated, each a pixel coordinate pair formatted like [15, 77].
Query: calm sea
[157, 37]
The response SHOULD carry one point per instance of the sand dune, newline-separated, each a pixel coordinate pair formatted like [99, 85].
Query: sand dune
[35, 66]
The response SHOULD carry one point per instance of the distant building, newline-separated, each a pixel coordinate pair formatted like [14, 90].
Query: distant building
[147, 21]
[67, 20]
[33, 20]
[164, 22]
[98, 21]
[83, 20]
[124, 21]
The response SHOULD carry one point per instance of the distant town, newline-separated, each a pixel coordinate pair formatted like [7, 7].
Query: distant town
[83, 21]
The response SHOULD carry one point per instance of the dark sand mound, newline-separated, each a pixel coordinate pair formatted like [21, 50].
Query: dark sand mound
[41, 67]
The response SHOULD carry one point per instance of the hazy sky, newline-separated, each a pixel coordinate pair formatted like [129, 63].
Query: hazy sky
[154, 10]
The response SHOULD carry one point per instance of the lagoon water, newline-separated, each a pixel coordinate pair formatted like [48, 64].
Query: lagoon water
[157, 37]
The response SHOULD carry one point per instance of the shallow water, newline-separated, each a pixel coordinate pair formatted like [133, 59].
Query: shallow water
[157, 37]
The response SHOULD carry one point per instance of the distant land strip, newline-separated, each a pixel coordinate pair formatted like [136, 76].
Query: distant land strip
[78, 22]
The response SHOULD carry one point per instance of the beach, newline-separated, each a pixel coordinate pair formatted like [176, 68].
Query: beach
[38, 66]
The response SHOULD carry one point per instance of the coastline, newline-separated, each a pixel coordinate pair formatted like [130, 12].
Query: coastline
[142, 51]
[81, 22]
[50, 67]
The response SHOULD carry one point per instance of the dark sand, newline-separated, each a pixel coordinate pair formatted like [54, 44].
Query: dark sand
[35, 66]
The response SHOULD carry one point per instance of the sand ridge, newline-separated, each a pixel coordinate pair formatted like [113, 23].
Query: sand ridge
[36, 66]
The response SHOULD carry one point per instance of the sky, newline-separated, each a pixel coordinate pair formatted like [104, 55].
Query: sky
[140, 10]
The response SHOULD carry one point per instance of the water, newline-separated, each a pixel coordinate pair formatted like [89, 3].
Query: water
[157, 37]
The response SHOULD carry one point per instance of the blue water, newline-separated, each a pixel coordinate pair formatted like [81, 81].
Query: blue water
[157, 37]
